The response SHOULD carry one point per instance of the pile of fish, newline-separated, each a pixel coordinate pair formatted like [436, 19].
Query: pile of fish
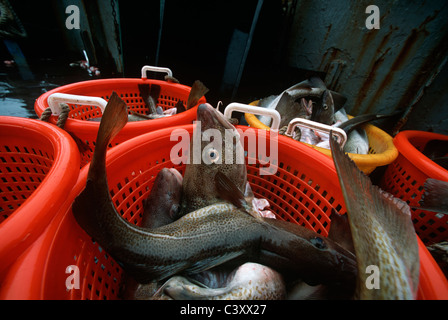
[205, 235]
[150, 94]
[311, 100]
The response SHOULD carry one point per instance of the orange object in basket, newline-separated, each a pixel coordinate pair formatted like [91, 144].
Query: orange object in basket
[381, 147]
[405, 178]
[127, 89]
[303, 190]
[39, 165]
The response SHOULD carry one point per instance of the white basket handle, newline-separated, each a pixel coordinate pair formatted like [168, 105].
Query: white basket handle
[272, 113]
[340, 134]
[55, 99]
[155, 69]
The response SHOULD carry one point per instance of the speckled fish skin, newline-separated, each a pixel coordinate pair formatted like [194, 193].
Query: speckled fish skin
[383, 233]
[198, 241]
[198, 188]
[251, 281]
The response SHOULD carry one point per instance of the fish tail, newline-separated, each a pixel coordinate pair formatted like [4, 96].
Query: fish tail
[197, 91]
[114, 119]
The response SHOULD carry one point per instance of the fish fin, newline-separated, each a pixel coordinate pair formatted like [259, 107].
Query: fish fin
[229, 191]
[198, 90]
[143, 88]
[284, 108]
[139, 115]
[154, 93]
[317, 82]
[339, 100]
[371, 209]
[180, 107]
[435, 197]
[212, 262]
[357, 121]
[340, 230]
[159, 110]
[114, 119]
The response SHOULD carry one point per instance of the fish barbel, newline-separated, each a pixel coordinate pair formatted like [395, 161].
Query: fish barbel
[383, 233]
[204, 238]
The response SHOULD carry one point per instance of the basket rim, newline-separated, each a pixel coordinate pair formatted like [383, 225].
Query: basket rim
[417, 158]
[79, 125]
[366, 160]
[64, 171]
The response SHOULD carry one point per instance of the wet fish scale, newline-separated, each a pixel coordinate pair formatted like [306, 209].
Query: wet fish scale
[382, 230]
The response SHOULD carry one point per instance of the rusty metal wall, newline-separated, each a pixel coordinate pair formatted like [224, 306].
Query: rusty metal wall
[379, 70]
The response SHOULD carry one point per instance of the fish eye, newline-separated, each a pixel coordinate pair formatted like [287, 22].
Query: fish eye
[318, 243]
[213, 155]
[325, 107]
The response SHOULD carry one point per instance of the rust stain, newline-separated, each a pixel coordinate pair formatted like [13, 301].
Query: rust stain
[328, 32]
[398, 64]
[416, 35]
[421, 79]
[375, 64]
[331, 54]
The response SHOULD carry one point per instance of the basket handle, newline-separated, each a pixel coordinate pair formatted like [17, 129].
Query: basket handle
[272, 113]
[55, 99]
[155, 69]
[340, 134]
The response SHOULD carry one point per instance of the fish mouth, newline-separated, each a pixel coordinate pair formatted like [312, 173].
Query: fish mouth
[211, 118]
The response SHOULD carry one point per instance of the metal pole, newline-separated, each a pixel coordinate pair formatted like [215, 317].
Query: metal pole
[162, 11]
[246, 50]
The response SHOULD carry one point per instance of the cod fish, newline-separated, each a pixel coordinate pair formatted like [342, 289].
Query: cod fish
[435, 197]
[383, 233]
[321, 105]
[199, 188]
[204, 238]
[251, 281]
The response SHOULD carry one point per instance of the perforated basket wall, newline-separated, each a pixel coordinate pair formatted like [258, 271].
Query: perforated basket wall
[405, 179]
[303, 190]
[39, 165]
[127, 89]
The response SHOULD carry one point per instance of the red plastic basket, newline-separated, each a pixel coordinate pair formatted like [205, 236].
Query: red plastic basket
[39, 165]
[303, 190]
[406, 176]
[127, 89]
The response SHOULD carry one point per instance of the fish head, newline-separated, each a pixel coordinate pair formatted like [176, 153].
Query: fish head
[215, 147]
[317, 259]
[323, 110]
[163, 203]
[331, 256]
